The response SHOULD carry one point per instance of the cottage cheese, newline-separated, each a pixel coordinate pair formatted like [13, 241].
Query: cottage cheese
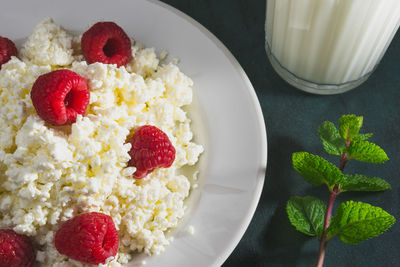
[49, 174]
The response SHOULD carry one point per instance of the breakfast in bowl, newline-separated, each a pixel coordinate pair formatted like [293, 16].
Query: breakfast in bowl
[94, 135]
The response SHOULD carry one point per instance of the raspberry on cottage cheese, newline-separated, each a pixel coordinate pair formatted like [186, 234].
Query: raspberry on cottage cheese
[50, 174]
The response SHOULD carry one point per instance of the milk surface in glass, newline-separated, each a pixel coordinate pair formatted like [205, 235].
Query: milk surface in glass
[329, 46]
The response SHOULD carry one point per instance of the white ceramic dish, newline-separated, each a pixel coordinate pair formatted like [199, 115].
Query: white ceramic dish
[227, 118]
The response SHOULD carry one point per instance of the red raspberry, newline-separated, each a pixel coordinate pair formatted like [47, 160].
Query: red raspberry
[7, 50]
[107, 43]
[60, 95]
[90, 238]
[15, 250]
[151, 149]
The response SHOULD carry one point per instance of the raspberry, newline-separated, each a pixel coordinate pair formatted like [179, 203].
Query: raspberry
[15, 250]
[60, 95]
[7, 50]
[90, 238]
[107, 43]
[151, 149]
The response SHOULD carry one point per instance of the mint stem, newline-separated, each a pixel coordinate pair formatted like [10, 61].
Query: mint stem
[323, 243]
[335, 191]
[343, 161]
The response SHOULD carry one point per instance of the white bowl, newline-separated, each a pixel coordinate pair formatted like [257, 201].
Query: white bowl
[227, 118]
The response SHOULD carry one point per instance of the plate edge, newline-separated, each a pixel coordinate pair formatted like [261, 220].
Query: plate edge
[264, 152]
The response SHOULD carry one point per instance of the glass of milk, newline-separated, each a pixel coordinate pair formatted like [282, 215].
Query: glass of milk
[328, 46]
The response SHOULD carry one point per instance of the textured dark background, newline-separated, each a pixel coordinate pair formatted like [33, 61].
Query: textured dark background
[292, 118]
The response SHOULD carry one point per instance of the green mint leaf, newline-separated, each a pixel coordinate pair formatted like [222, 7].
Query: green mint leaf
[360, 182]
[316, 170]
[362, 137]
[306, 214]
[349, 126]
[331, 140]
[356, 221]
[366, 151]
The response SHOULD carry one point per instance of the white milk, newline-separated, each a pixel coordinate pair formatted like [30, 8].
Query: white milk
[330, 41]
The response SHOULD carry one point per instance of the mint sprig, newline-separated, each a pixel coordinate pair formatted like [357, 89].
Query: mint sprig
[332, 141]
[307, 214]
[349, 126]
[316, 170]
[354, 221]
[362, 137]
[366, 151]
[358, 182]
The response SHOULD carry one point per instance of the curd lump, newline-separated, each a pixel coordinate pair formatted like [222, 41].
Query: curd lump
[50, 174]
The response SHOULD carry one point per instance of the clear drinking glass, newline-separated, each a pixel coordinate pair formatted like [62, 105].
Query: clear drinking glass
[328, 46]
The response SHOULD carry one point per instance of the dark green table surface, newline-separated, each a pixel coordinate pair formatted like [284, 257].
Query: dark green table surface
[292, 118]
